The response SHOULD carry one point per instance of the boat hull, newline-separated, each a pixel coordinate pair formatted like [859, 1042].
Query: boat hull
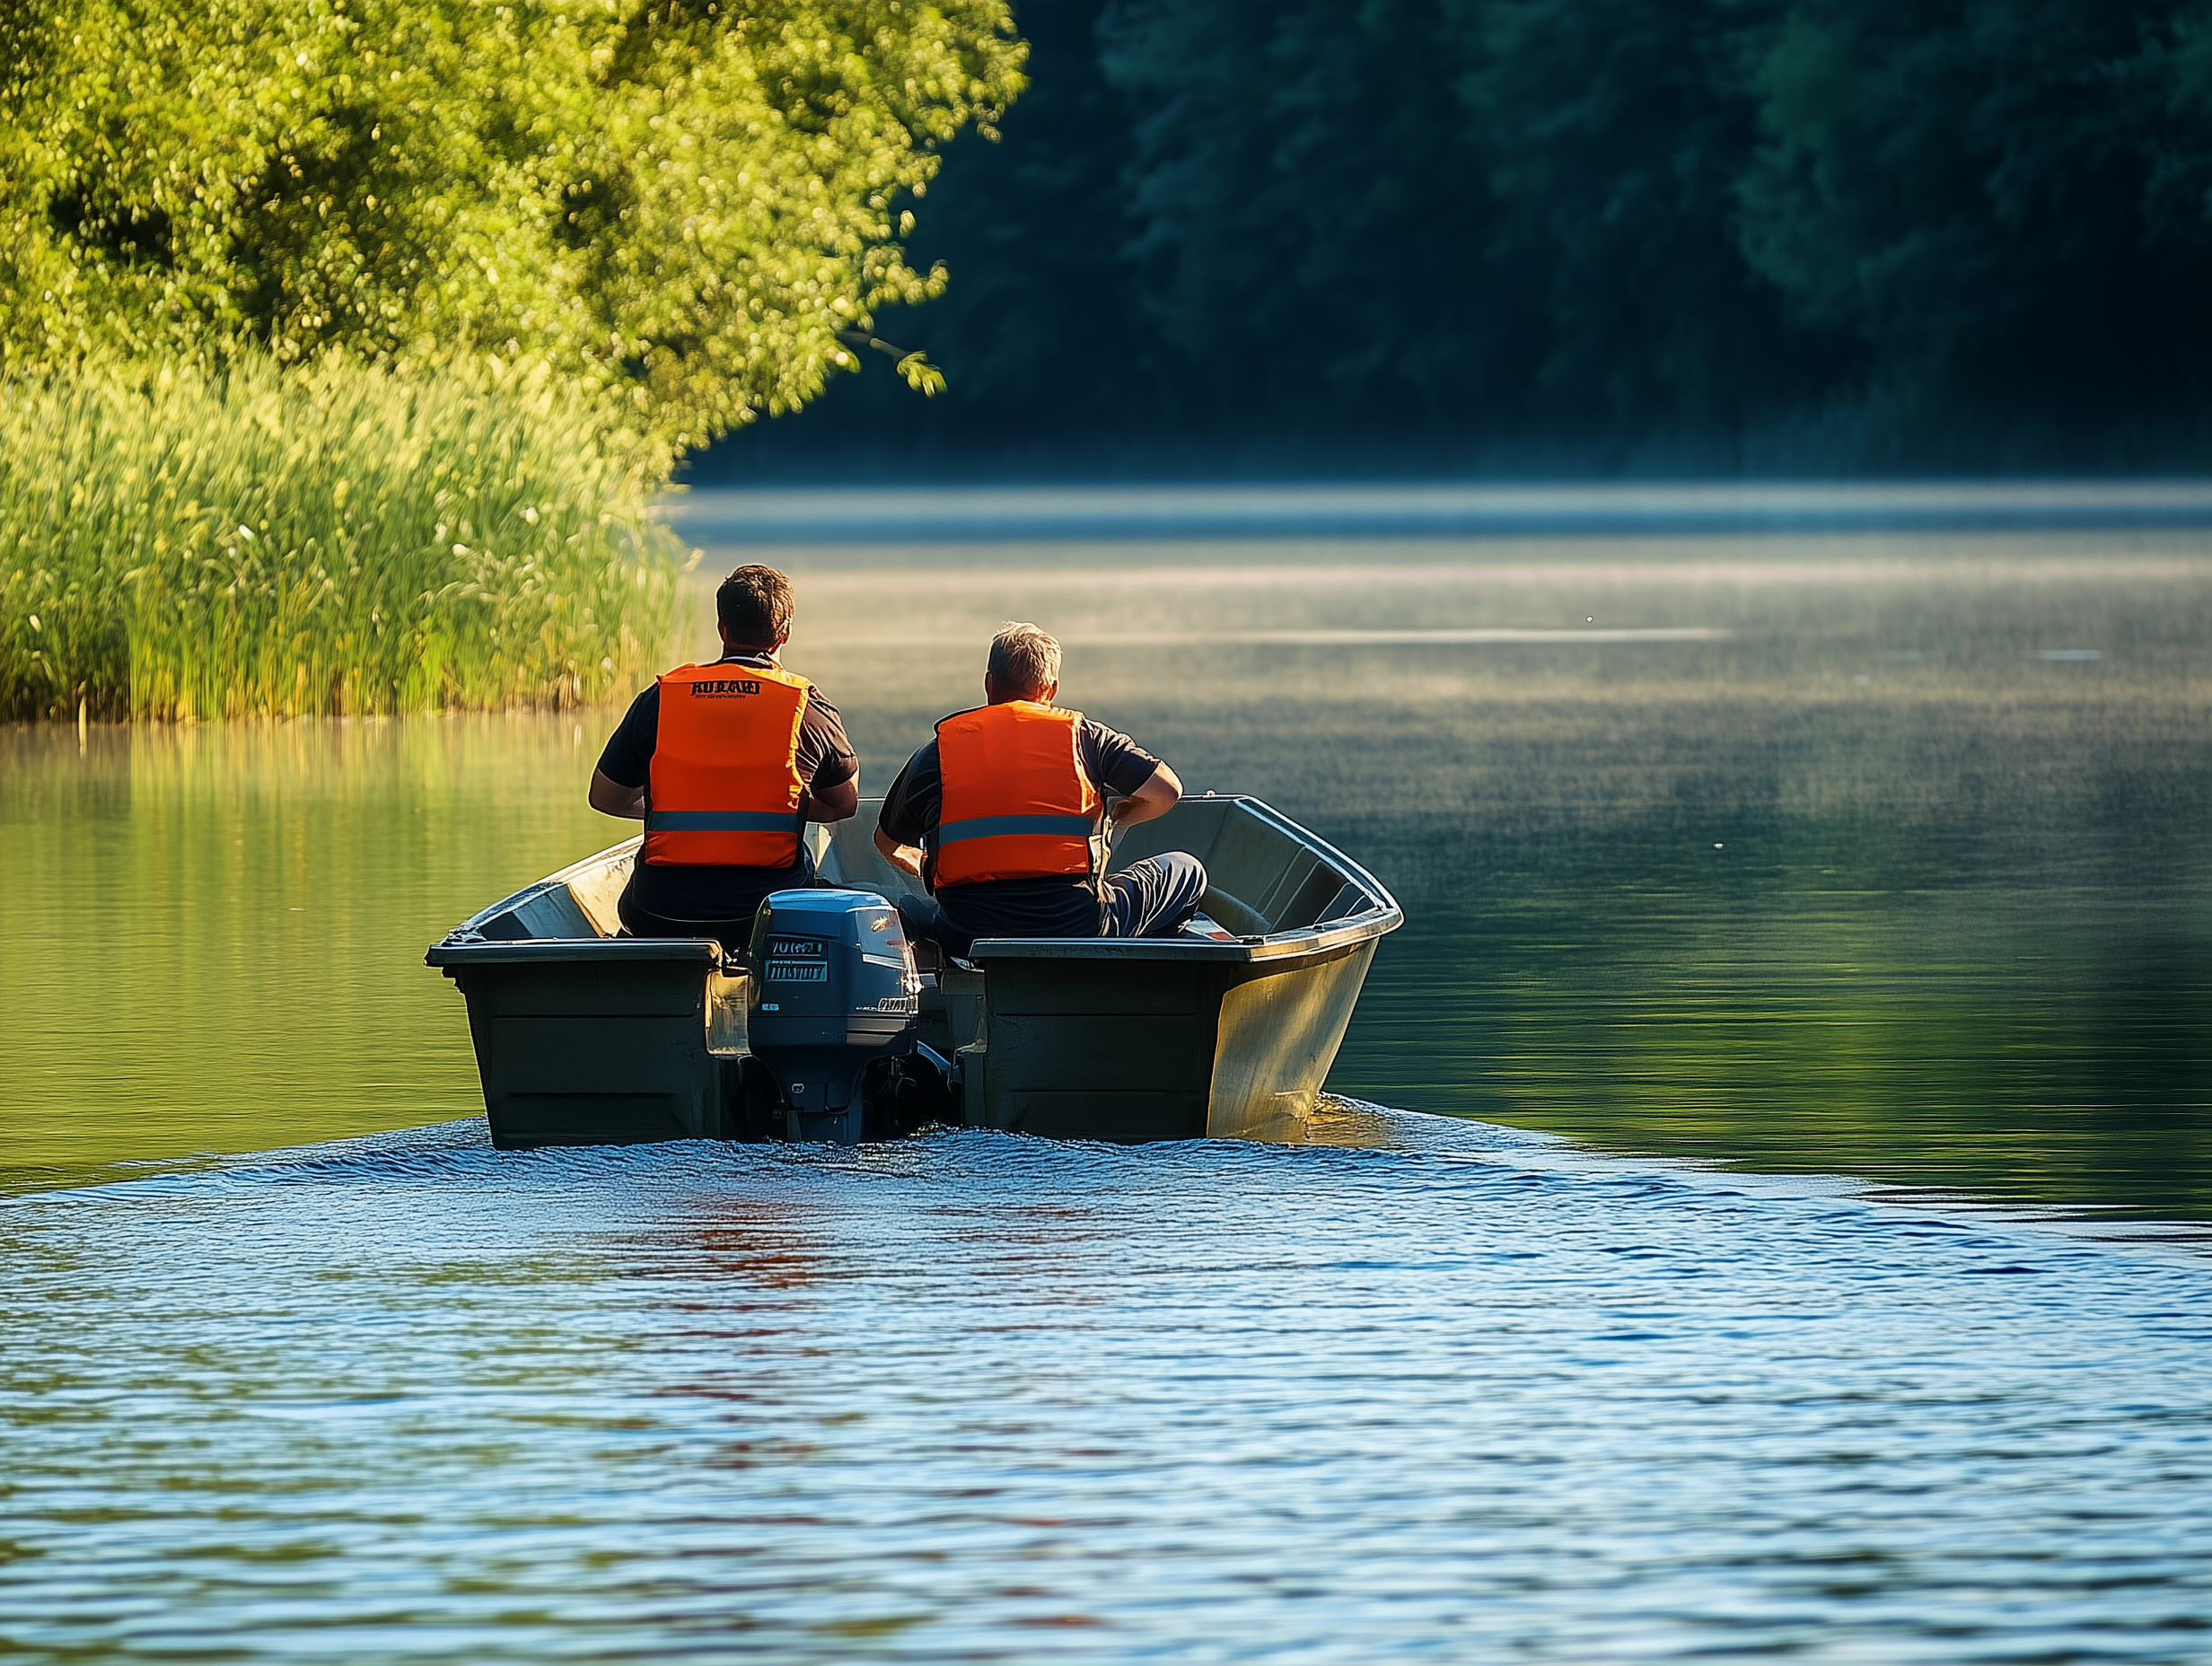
[1135, 1051]
[578, 1048]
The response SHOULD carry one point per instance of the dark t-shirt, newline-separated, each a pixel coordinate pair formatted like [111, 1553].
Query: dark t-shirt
[1053, 907]
[715, 893]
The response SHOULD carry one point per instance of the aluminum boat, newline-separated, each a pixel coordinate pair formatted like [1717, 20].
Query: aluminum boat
[1226, 1030]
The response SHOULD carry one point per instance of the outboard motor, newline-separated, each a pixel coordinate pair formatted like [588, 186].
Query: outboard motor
[833, 990]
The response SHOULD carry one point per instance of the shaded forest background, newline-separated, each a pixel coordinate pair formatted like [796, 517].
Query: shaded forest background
[1512, 236]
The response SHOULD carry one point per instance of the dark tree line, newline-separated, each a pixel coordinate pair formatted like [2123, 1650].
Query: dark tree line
[1218, 233]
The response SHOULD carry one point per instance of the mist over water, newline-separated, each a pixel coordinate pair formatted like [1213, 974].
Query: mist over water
[1843, 896]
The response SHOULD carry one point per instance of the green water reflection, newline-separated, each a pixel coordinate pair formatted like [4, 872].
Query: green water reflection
[215, 933]
[2029, 1043]
[1886, 878]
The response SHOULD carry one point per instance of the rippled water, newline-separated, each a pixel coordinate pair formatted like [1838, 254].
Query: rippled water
[1837, 866]
[1463, 1394]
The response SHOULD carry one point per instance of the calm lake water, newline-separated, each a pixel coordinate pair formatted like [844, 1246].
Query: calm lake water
[1846, 900]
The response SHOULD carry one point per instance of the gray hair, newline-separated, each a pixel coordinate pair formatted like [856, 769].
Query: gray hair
[1025, 657]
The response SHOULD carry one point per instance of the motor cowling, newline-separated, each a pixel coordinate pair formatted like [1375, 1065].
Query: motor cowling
[833, 990]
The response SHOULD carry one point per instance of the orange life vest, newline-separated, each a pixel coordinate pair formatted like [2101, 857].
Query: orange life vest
[1017, 804]
[724, 788]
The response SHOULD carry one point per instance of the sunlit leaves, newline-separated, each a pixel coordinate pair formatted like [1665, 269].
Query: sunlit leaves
[924, 378]
[675, 205]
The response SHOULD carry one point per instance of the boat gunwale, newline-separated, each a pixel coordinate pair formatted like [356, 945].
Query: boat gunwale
[487, 951]
[466, 941]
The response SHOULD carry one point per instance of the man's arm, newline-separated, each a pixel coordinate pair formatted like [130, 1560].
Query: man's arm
[832, 803]
[910, 805]
[609, 797]
[1155, 798]
[628, 752]
[906, 858]
[823, 750]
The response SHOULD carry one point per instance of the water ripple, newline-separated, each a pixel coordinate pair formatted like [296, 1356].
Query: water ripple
[1459, 1392]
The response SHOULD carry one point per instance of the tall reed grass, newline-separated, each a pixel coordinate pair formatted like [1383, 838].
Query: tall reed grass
[329, 539]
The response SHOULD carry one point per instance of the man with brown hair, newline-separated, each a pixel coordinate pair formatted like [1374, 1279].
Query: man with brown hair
[726, 763]
[996, 816]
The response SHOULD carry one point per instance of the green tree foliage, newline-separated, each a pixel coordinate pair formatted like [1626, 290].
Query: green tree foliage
[1308, 214]
[1613, 148]
[679, 204]
[1038, 330]
[1979, 190]
[1027, 219]
[1387, 229]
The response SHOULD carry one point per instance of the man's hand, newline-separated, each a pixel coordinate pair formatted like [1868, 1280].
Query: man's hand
[906, 858]
[1155, 798]
[609, 797]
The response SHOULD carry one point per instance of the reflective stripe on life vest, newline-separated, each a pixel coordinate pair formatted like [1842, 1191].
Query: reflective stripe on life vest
[724, 786]
[1017, 804]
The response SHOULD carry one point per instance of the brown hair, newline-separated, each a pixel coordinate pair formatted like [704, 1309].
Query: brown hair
[755, 607]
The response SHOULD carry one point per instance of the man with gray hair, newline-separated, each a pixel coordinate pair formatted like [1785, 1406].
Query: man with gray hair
[996, 815]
